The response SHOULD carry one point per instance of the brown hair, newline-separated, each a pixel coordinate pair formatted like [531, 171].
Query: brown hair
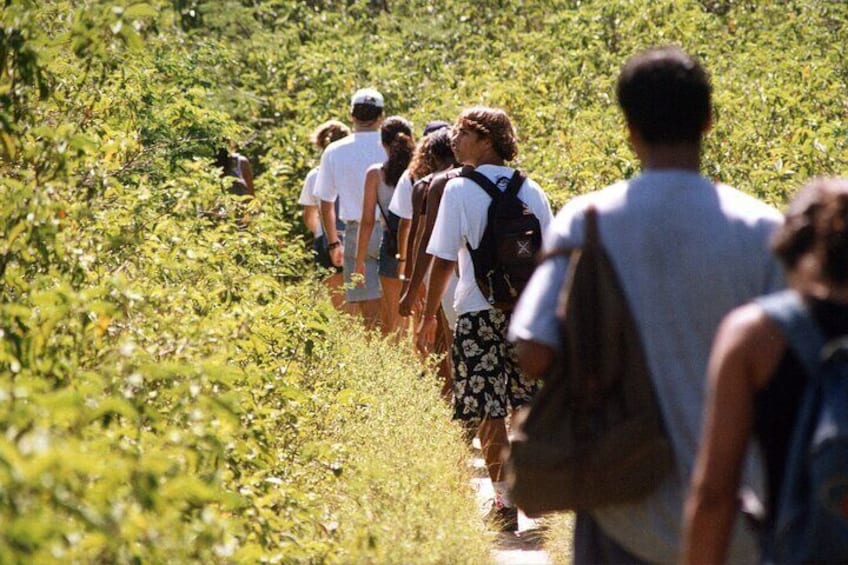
[494, 124]
[328, 132]
[817, 223]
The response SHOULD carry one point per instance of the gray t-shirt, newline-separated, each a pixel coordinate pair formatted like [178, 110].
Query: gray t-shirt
[687, 251]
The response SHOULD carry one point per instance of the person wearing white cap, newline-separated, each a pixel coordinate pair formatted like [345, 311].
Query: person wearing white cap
[341, 175]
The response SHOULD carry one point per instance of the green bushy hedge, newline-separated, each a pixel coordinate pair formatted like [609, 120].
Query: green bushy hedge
[176, 388]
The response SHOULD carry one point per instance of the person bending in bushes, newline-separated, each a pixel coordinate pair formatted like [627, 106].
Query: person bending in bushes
[341, 175]
[487, 381]
[686, 251]
[325, 134]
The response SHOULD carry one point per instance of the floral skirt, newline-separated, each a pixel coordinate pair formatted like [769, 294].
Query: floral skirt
[487, 381]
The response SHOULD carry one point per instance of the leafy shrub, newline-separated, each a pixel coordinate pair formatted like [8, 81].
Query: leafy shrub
[174, 385]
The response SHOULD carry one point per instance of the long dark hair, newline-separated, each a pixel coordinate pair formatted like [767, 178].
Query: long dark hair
[396, 135]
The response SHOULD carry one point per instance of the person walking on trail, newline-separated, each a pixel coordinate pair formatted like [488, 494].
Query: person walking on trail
[380, 182]
[324, 134]
[238, 167]
[433, 157]
[686, 251]
[487, 382]
[401, 203]
[759, 381]
[341, 175]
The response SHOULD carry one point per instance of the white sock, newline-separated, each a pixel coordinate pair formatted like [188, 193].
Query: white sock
[501, 494]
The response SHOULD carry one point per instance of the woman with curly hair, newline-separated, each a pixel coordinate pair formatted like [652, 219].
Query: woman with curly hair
[758, 378]
[380, 181]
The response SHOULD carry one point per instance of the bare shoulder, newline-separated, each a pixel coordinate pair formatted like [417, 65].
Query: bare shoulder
[748, 335]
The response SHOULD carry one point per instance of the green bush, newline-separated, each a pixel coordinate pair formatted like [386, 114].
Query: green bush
[174, 385]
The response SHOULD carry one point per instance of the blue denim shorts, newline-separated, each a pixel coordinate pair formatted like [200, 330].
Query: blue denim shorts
[371, 290]
[388, 263]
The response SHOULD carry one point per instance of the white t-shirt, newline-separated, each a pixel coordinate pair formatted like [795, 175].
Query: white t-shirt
[462, 218]
[401, 203]
[686, 251]
[308, 198]
[342, 171]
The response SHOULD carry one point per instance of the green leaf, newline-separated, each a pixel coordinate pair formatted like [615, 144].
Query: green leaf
[142, 10]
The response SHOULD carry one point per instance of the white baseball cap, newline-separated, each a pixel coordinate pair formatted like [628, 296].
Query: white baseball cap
[367, 96]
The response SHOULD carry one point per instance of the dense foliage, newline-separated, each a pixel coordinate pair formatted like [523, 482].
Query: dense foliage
[173, 384]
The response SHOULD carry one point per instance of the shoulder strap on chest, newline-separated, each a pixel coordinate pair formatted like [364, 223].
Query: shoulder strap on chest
[481, 180]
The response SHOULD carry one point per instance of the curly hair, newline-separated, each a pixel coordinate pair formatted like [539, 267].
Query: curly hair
[430, 151]
[328, 132]
[494, 124]
[396, 135]
[817, 223]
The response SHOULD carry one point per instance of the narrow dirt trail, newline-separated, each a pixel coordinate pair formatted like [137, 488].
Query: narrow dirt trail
[525, 547]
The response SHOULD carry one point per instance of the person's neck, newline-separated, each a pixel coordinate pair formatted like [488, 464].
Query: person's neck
[487, 158]
[365, 128]
[677, 156]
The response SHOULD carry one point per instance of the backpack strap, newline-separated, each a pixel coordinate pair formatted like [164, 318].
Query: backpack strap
[481, 180]
[802, 333]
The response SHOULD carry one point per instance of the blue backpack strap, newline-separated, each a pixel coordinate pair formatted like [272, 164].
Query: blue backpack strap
[802, 333]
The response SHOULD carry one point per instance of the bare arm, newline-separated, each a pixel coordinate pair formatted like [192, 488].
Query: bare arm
[745, 353]
[328, 217]
[366, 223]
[414, 271]
[404, 228]
[311, 218]
[247, 173]
[439, 277]
[534, 358]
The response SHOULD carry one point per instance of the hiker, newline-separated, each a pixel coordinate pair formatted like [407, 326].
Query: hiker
[341, 175]
[236, 166]
[487, 382]
[435, 156]
[686, 251]
[380, 182]
[757, 379]
[323, 135]
[432, 160]
[401, 203]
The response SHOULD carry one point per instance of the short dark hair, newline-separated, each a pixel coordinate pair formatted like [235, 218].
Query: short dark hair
[817, 223]
[665, 95]
[366, 112]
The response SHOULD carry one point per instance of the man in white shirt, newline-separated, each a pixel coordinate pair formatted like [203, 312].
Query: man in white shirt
[487, 382]
[341, 175]
[686, 251]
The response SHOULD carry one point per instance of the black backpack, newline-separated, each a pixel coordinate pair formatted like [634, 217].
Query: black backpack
[506, 256]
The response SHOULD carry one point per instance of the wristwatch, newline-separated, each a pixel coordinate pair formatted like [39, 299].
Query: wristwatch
[333, 245]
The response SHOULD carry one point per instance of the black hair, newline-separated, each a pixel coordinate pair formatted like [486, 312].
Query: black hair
[396, 135]
[441, 149]
[366, 112]
[665, 96]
